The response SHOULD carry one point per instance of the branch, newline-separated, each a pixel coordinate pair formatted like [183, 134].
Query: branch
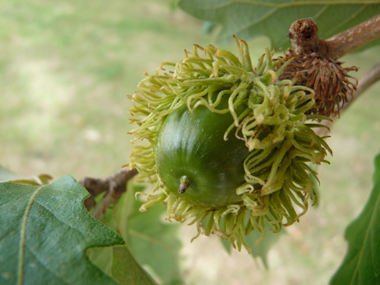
[353, 38]
[304, 36]
[114, 186]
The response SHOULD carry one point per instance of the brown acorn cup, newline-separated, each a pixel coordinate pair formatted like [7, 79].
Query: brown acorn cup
[330, 81]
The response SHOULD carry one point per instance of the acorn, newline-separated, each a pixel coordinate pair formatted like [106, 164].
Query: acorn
[227, 145]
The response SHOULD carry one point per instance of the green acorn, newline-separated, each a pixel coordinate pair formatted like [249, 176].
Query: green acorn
[228, 146]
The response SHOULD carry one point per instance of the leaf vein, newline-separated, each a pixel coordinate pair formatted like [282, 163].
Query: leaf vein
[320, 12]
[305, 3]
[22, 236]
[291, 4]
[337, 28]
[150, 239]
[264, 17]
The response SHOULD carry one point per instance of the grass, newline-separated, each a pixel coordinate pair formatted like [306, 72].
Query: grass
[65, 72]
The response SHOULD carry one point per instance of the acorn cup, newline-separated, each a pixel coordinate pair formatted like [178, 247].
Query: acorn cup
[227, 146]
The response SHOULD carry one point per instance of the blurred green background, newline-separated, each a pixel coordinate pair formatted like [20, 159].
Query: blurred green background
[66, 68]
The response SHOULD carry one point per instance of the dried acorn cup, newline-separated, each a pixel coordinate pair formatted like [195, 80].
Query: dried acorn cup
[333, 86]
[228, 146]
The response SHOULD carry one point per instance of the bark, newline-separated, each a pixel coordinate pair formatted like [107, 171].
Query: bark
[114, 186]
[304, 36]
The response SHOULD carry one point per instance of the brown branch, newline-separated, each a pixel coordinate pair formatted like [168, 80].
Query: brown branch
[114, 186]
[353, 38]
[304, 36]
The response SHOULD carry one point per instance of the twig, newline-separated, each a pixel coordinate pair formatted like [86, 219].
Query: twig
[304, 36]
[114, 186]
[353, 38]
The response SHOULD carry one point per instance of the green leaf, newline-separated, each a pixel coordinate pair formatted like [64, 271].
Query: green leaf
[101, 257]
[45, 232]
[361, 264]
[249, 19]
[227, 245]
[153, 243]
[261, 250]
[126, 270]
[265, 245]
